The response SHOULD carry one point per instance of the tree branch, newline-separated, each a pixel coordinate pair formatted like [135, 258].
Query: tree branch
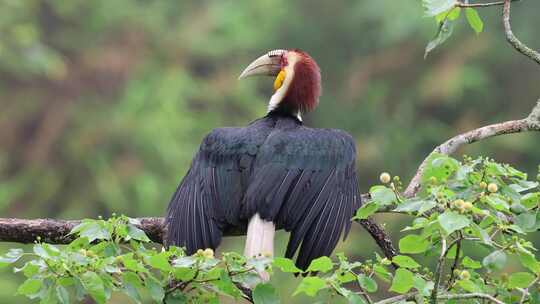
[57, 231]
[412, 295]
[512, 39]
[379, 235]
[531, 123]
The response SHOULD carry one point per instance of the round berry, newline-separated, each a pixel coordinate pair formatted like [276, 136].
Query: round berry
[208, 252]
[459, 204]
[385, 178]
[492, 187]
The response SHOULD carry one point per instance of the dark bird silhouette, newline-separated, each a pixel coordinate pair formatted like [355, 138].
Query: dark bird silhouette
[274, 173]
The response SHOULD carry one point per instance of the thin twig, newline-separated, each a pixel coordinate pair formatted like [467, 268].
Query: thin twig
[456, 261]
[473, 5]
[512, 39]
[412, 295]
[438, 271]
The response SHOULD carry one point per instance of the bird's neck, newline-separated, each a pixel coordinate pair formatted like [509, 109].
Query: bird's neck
[283, 103]
[283, 111]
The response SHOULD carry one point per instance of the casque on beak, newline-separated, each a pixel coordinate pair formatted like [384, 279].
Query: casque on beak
[268, 64]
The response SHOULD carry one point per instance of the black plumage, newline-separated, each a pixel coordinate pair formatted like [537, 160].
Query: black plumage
[302, 179]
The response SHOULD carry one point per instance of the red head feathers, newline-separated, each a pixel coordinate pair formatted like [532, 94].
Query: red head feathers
[298, 81]
[305, 87]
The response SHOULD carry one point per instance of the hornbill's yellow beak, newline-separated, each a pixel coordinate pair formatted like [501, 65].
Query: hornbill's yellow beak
[268, 64]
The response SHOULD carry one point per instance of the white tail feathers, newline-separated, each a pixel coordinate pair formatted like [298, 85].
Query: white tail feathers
[260, 240]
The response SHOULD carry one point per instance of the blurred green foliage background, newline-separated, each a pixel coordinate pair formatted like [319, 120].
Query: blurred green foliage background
[103, 103]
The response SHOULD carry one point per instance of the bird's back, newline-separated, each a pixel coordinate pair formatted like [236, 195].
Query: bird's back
[300, 178]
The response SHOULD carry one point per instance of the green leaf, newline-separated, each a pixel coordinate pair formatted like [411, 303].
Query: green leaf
[520, 280]
[454, 14]
[367, 283]
[10, 257]
[495, 261]
[345, 277]
[136, 234]
[365, 211]
[528, 260]
[474, 20]
[451, 221]
[285, 265]
[225, 285]
[155, 288]
[530, 200]
[405, 261]
[444, 32]
[29, 287]
[186, 261]
[481, 233]
[470, 263]
[526, 221]
[382, 273]
[469, 286]
[62, 294]
[177, 298]
[40, 251]
[416, 205]
[160, 261]
[435, 7]
[382, 195]
[451, 15]
[184, 273]
[29, 269]
[132, 283]
[265, 293]
[497, 202]
[413, 243]
[132, 264]
[403, 281]
[93, 284]
[322, 264]
[93, 230]
[353, 298]
[422, 286]
[310, 286]
[439, 166]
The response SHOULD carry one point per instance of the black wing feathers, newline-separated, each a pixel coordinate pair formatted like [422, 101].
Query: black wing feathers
[303, 179]
[208, 198]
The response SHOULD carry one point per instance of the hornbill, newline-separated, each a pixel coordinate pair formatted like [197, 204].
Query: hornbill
[274, 173]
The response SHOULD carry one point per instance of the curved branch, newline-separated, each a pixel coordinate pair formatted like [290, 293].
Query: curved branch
[531, 123]
[512, 39]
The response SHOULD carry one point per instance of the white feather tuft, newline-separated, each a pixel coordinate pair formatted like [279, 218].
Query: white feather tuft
[260, 240]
